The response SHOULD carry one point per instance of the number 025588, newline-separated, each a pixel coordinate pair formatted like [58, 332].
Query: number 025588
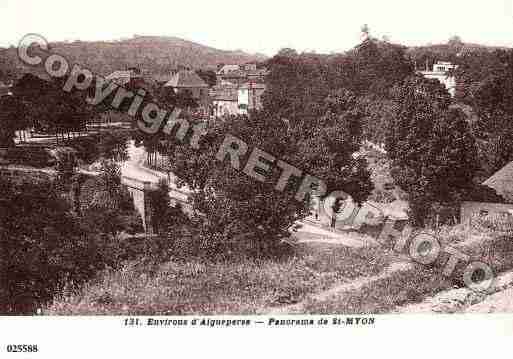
[22, 348]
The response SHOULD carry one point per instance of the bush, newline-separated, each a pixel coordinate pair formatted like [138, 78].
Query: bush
[46, 248]
[43, 246]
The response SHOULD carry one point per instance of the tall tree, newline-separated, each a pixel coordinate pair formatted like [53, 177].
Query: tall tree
[12, 118]
[431, 147]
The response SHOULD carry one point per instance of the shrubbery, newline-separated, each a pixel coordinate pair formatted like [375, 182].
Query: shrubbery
[46, 246]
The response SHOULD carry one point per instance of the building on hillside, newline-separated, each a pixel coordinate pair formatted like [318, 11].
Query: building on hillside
[248, 67]
[189, 81]
[233, 99]
[444, 73]
[236, 77]
[250, 96]
[224, 100]
[240, 74]
[502, 183]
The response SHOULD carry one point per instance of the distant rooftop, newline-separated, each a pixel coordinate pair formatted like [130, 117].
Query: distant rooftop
[228, 68]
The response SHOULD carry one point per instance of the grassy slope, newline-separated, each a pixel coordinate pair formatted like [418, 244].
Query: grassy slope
[419, 282]
[179, 288]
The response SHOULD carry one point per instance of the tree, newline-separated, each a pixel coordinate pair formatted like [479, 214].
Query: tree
[365, 30]
[12, 118]
[330, 152]
[44, 247]
[486, 84]
[431, 147]
[296, 88]
[234, 214]
[50, 108]
[168, 222]
[113, 146]
[455, 41]
[106, 204]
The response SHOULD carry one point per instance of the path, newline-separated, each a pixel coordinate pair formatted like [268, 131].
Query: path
[337, 290]
[134, 168]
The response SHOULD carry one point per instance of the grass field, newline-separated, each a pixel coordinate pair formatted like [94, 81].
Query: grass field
[197, 287]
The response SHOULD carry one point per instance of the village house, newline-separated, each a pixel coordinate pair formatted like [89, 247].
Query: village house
[233, 99]
[224, 100]
[240, 74]
[250, 96]
[188, 81]
[502, 183]
[444, 73]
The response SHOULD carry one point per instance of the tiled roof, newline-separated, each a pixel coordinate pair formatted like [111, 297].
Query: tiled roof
[502, 182]
[186, 79]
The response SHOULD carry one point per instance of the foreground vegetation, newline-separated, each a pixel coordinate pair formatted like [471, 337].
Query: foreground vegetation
[297, 283]
[246, 286]
[416, 283]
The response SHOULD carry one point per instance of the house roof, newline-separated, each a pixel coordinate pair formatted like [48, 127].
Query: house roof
[502, 182]
[228, 68]
[186, 79]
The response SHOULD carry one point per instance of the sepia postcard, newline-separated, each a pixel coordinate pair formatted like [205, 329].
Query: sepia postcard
[278, 178]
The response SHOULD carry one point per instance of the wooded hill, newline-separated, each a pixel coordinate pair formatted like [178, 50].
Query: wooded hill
[154, 54]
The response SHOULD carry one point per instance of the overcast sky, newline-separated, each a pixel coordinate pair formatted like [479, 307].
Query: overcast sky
[263, 25]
